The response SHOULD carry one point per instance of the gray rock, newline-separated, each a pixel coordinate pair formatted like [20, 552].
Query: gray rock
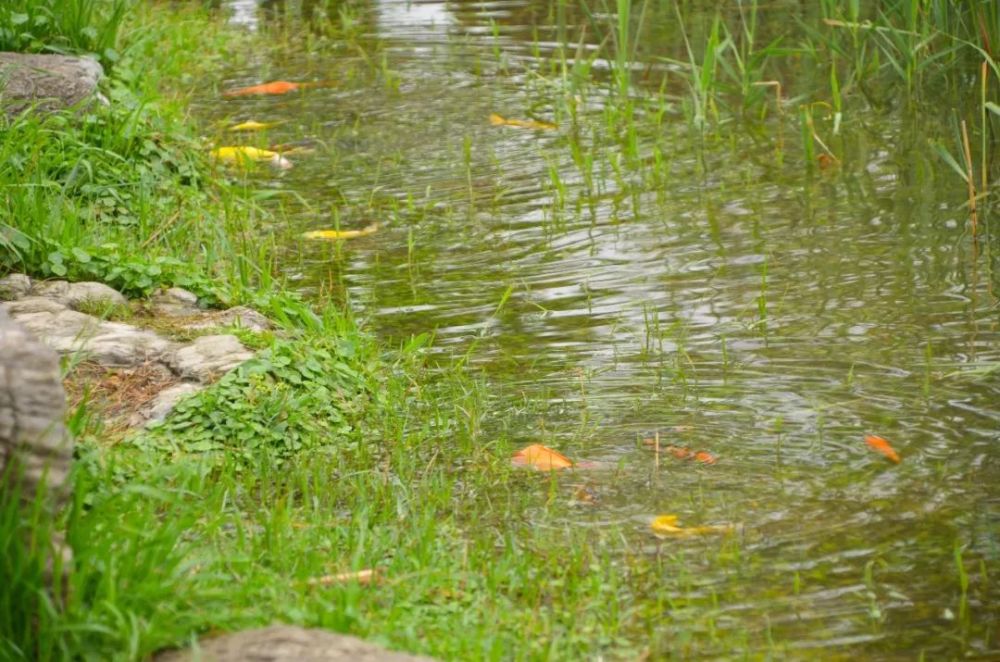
[286, 643]
[75, 294]
[14, 286]
[117, 344]
[32, 410]
[51, 289]
[164, 403]
[47, 82]
[80, 293]
[69, 332]
[175, 302]
[31, 305]
[240, 316]
[208, 356]
[181, 295]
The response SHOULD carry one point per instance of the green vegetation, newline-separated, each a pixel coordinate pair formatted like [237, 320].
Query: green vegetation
[125, 194]
[63, 26]
[293, 398]
[332, 453]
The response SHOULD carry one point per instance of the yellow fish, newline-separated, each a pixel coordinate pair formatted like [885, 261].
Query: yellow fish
[243, 154]
[666, 526]
[497, 120]
[251, 125]
[336, 235]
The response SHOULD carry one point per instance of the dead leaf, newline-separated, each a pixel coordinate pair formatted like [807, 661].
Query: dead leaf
[585, 495]
[680, 452]
[497, 120]
[685, 453]
[880, 445]
[827, 161]
[540, 458]
[337, 235]
[363, 577]
[665, 526]
[705, 457]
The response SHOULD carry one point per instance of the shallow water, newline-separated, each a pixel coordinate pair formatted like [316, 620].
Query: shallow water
[711, 287]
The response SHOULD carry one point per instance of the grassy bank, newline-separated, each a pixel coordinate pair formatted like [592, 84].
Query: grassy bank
[125, 194]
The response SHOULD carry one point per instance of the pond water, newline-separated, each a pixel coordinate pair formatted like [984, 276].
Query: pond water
[628, 273]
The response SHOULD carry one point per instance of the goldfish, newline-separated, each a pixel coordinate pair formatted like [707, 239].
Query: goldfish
[251, 125]
[276, 87]
[541, 458]
[880, 445]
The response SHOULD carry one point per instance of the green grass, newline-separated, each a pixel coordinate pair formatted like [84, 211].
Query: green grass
[125, 194]
[64, 26]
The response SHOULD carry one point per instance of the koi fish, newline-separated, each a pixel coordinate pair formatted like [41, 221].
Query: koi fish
[880, 445]
[336, 235]
[276, 87]
[251, 125]
[541, 458]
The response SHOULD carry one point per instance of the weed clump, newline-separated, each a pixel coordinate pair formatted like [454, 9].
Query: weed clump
[291, 398]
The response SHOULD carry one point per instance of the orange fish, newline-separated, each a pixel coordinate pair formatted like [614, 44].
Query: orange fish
[880, 445]
[541, 458]
[277, 87]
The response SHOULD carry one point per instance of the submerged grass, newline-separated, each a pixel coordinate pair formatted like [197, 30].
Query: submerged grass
[474, 561]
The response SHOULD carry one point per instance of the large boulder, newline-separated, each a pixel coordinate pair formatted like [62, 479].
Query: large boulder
[32, 408]
[46, 82]
[286, 643]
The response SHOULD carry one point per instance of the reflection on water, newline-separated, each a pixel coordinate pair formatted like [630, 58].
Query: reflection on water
[699, 281]
[244, 13]
[417, 20]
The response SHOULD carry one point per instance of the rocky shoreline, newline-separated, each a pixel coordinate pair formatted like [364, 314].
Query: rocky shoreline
[72, 319]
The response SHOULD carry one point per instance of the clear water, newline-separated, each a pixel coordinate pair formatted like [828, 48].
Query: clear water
[709, 286]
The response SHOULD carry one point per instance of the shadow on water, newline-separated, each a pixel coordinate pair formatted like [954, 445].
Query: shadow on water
[612, 284]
